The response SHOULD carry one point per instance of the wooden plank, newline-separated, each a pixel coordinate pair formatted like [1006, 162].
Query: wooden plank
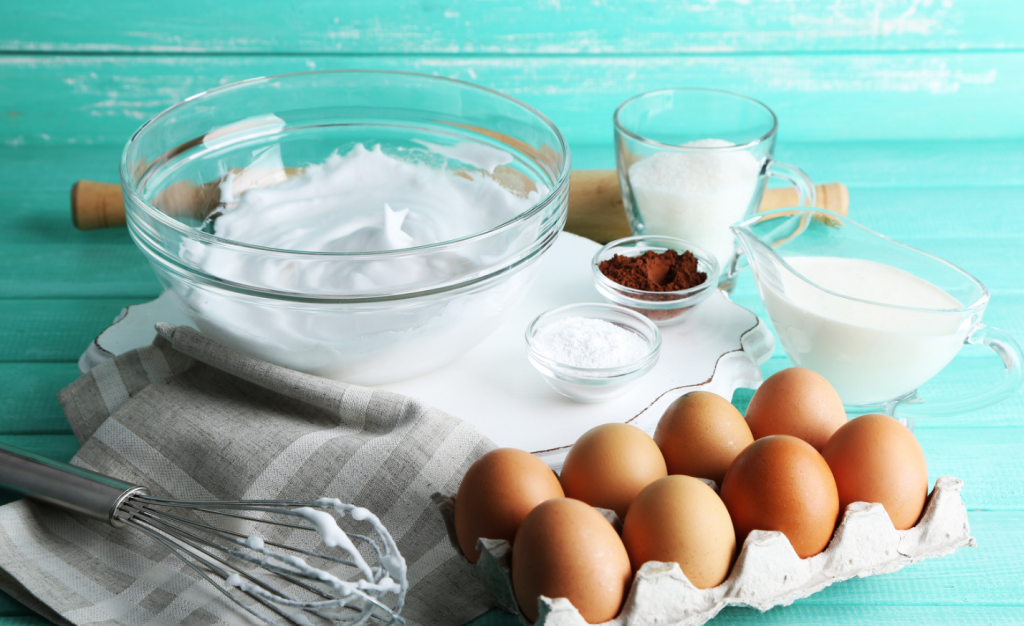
[928, 163]
[54, 330]
[75, 271]
[9, 607]
[940, 213]
[969, 453]
[906, 613]
[37, 180]
[989, 574]
[101, 99]
[565, 27]
[60, 447]
[29, 404]
[24, 620]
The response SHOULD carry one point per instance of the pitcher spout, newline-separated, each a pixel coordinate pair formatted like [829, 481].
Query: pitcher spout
[759, 236]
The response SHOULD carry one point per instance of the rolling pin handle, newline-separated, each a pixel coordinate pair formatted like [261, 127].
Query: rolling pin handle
[96, 205]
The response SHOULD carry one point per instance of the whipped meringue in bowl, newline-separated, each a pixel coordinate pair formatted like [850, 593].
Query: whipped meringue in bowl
[370, 227]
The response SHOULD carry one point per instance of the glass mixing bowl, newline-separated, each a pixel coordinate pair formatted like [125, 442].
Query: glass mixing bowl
[261, 132]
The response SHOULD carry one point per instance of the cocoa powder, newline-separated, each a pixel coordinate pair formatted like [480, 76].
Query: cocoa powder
[654, 271]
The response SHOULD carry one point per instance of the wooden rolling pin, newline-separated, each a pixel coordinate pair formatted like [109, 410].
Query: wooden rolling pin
[595, 204]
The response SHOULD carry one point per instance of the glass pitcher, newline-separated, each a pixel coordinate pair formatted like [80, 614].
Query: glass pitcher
[875, 352]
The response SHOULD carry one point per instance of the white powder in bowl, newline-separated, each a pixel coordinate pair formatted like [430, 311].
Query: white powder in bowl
[590, 343]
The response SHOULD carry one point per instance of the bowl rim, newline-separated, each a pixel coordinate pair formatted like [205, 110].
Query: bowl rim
[618, 372]
[129, 188]
[638, 295]
[620, 127]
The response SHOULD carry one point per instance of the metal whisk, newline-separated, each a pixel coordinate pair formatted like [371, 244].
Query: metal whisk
[287, 581]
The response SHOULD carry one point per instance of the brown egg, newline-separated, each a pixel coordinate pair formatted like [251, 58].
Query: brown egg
[566, 549]
[679, 519]
[797, 402]
[497, 493]
[782, 483]
[700, 434]
[610, 464]
[874, 458]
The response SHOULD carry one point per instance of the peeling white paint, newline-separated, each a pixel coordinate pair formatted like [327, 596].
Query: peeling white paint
[715, 3]
[345, 33]
[42, 46]
[934, 76]
[879, 19]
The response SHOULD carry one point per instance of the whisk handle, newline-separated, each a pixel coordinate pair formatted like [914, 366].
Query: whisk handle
[71, 488]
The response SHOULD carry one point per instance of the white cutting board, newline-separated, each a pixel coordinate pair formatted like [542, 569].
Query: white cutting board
[493, 386]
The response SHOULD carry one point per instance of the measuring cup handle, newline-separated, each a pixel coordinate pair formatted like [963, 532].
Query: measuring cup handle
[1010, 353]
[806, 193]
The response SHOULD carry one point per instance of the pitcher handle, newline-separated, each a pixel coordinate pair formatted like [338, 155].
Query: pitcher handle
[807, 195]
[1010, 353]
[805, 191]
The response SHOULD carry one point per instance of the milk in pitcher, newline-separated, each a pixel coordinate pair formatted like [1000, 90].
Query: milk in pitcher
[892, 332]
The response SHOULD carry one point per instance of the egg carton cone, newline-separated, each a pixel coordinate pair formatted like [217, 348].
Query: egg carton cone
[768, 572]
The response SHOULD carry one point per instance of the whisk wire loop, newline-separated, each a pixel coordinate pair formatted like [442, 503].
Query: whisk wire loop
[186, 558]
[229, 535]
[196, 543]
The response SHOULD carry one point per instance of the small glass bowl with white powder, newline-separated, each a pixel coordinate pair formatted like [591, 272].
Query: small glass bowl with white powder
[592, 352]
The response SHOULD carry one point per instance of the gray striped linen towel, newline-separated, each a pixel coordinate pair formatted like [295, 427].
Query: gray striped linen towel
[191, 419]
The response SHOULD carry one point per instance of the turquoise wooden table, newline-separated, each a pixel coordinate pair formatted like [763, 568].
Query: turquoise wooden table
[915, 105]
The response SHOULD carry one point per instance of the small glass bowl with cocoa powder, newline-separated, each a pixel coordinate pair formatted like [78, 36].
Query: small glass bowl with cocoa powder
[663, 278]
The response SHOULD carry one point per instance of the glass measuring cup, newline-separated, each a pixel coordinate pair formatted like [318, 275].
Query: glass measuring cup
[875, 354]
[692, 162]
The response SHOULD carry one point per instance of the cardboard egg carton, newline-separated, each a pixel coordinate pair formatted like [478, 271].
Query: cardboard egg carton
[768, 572]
